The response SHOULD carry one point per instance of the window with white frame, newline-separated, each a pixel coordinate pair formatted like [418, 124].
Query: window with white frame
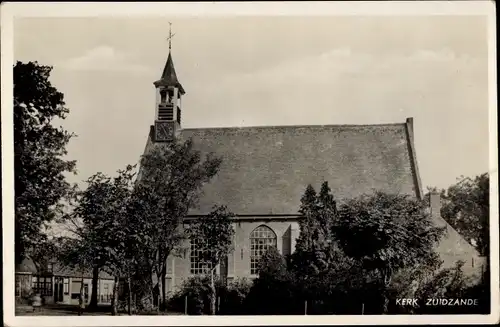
[42, 285]
[106, 296]
[261, 239]
[66, 285]
[198, 266]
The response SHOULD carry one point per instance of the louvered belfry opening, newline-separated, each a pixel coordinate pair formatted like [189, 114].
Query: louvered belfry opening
[166, 112]
[166, 105]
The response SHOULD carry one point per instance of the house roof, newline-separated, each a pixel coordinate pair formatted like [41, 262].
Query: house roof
[169, 77]
[61, 270]
[28, 266]
[265, 170]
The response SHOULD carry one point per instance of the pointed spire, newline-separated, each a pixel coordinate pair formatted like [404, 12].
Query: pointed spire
[169, 77]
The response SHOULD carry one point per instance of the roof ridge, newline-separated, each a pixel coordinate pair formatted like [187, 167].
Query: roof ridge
[296, 126]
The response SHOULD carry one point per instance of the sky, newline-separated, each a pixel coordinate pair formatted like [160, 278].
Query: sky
[253, 71]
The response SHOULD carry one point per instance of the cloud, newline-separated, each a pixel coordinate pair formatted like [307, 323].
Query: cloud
[428, 55]
[340, 71]
[104, 58]
[341, 86]
[308, 70]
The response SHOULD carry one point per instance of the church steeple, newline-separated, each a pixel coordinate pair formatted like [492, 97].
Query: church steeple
[169, 76]
[169, 92]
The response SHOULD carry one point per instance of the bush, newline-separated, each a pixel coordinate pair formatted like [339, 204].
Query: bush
[233, 297]
[197, 291]
[451, 283]
[274, 291]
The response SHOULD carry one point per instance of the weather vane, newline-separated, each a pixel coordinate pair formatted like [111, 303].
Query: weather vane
[170, 36]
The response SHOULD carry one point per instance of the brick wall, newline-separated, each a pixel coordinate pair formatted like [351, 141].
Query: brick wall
[286, 231]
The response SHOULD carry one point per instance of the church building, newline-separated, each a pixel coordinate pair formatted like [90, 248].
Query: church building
[265, 171]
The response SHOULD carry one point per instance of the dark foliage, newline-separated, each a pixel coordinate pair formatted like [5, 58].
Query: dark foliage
[39, 150]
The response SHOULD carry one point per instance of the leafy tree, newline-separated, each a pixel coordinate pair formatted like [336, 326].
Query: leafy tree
[170, 181]
[43, 254]
[100, 224]
[214, 235]
[120, 238]
[466, 208]
[387, 232]
[75, 254]
[39, 148]
[89, 225]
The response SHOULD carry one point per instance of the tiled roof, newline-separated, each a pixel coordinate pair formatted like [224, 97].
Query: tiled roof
[58, 269]
[169, 77]
[61, 270]
[265, 170]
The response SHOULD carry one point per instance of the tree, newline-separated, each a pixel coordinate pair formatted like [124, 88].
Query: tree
[90, 212]
[102, 230]
[75, 254]
[119, 240]
[315, 247]
[387, 232]
[170, 181]
[308, 211]
[214, 235]
[39, 148]
[43, 254]
[272, 264]
[319, 263]
[275, 291]
[466, 208]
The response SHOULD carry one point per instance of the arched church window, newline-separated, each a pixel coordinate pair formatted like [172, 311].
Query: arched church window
[261, 239]
[198, 265]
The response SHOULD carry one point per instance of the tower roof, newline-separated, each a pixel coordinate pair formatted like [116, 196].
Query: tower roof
[169, 77]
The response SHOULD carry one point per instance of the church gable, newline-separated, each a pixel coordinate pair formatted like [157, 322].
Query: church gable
[265, 169]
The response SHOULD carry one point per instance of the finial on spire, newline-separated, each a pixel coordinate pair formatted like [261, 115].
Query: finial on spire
[170, 36]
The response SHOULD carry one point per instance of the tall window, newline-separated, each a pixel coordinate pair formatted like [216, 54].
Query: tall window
[106, 297]
[42, 285]
[66, 285]
[261, 239]
[198, 266]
